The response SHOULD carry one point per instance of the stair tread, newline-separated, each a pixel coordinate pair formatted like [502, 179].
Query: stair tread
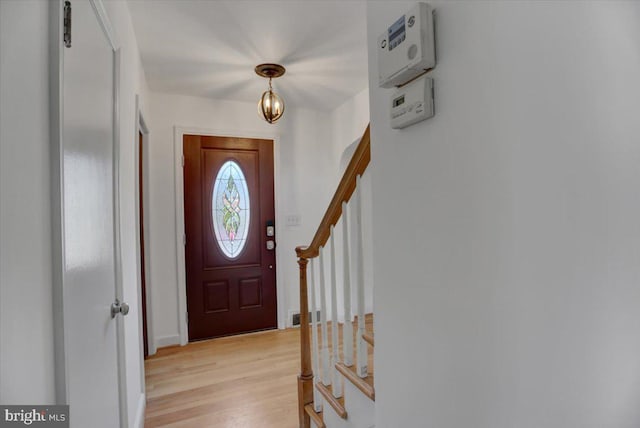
[363, 384]
[368, 337]
[315, 416]
[336, 403]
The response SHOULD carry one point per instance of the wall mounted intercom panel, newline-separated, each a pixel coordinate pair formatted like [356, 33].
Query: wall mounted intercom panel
[407, 47]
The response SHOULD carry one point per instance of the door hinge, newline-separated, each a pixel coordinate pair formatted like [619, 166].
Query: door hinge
[183, 161]
[67, 24]
[184, 239]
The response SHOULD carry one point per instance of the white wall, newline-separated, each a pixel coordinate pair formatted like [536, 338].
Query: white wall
[349, 121]
[26, 334]
[132, 82]
[507, 241]
[304, 159]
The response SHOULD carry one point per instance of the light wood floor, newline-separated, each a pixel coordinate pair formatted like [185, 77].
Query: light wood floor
[235, 382]
[245, 381]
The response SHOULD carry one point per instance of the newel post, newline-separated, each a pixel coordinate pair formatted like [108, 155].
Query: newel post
[305, 379]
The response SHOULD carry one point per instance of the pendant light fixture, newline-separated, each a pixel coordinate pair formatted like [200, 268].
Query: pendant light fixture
[271, 105]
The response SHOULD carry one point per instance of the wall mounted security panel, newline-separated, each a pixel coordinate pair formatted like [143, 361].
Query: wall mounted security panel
[407, 47]
[412, 103]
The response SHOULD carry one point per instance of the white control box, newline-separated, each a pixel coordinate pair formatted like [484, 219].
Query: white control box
[407, 48]
[412, 103]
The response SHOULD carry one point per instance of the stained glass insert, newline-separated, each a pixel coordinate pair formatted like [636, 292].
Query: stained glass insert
[230, 209]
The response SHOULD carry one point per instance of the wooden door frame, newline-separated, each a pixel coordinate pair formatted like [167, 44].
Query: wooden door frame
[56, 102]
[142, 128]
[179, 132]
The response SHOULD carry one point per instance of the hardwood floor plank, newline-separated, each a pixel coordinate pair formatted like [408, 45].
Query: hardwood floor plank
[240, 381]
[231, 382]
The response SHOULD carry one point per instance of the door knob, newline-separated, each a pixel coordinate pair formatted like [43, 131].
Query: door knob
[118, 307]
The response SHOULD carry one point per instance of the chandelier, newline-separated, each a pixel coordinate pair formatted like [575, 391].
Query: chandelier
[271, 105]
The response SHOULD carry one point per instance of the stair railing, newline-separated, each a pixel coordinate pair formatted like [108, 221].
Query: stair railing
[312, 358]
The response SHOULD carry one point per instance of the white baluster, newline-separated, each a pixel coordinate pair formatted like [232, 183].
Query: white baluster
[347, 327]
[337, 384]
[361, 345]
[317, 400]
[326, 373]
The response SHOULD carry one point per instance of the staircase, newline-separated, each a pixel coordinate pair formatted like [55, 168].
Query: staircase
[336, 383]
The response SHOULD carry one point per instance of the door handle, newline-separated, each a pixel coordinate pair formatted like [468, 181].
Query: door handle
[118, 307]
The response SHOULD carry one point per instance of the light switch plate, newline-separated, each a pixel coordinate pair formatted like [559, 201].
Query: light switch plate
[293, 220]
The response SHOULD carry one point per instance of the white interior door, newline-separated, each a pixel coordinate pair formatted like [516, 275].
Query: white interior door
[88, 150]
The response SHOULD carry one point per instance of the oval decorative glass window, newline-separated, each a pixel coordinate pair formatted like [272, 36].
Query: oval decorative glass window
[230, 209]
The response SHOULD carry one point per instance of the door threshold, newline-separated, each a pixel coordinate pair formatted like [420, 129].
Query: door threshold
[245, 333]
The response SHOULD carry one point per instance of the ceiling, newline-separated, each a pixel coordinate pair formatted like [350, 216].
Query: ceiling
[210, 48]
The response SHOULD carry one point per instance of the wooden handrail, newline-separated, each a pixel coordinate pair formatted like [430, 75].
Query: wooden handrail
[357, 166]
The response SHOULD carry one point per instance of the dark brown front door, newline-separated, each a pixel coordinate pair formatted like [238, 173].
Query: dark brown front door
[231, 264]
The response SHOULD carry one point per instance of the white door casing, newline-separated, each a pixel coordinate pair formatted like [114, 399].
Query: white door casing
[90, 369]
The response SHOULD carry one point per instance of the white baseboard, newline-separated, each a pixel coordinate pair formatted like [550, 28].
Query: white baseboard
[142, 405]
[153, 348]
[163, 341]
